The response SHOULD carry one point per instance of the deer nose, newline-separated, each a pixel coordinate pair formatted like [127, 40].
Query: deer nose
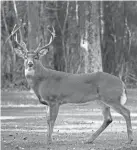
[30, 64]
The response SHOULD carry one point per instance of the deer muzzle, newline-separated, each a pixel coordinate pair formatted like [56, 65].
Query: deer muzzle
[30, 64]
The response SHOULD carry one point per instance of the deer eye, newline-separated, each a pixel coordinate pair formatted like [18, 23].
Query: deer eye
[36, 57]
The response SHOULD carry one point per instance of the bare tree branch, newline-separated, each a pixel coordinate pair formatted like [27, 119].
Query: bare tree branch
[18, 21]
[55, 9]
[77, 18]
[13, 32]
[66, 17]
[132, 78]
[6, 27]
[58, 22]
[10, 42]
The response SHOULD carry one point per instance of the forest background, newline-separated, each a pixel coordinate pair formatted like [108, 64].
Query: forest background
[90, 36]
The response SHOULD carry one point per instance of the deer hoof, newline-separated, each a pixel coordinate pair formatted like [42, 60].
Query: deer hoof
[89, 141]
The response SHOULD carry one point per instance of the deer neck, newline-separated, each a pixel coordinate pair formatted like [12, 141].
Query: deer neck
[37, 74]
[41, 71]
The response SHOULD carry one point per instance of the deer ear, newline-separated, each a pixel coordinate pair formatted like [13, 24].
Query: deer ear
[43, 52]
[19, 52]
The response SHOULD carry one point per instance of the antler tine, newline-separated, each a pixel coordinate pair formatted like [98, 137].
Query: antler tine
[50, 41]
[38, 46]
[21, 44]
[24, 46]
[53, 32]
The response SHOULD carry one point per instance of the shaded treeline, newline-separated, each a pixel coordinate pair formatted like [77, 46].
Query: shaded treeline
[90, 36]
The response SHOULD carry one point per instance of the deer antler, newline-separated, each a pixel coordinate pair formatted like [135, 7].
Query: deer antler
[21, 44]
[50, 41]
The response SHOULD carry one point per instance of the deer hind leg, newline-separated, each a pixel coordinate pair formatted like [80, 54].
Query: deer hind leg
[107, 120]
[126, 114]
[51, 118]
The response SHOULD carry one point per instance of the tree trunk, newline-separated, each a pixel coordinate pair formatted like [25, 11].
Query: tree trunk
[94, 48]
[59, 45]
[83, 34]
[90, 39]
[33, 24]
[114, 50]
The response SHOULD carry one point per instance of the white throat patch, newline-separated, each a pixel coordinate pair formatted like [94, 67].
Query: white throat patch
[29, 72]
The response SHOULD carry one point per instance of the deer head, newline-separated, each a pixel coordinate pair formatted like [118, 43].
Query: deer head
[31, 57]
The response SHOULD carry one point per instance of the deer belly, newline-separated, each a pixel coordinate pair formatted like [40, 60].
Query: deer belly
[80, 98]
[77, 93]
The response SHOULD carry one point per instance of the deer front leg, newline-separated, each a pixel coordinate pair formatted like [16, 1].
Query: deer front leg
[39, 97]
[51, 117]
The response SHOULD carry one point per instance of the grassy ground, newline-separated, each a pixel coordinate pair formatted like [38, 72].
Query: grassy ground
[23, 125]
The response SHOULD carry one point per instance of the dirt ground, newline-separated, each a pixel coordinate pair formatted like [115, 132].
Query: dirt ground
[23, 125]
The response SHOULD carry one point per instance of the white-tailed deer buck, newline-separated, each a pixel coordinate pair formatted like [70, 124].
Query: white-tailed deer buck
[54, 88]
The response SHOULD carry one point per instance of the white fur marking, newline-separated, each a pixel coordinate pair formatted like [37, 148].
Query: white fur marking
[123, 97]
[29, 72]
